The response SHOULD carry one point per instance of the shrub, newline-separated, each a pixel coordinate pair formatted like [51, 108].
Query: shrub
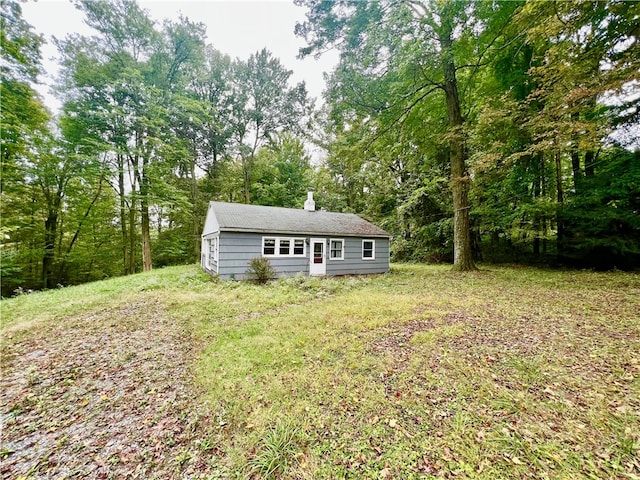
[260, 270]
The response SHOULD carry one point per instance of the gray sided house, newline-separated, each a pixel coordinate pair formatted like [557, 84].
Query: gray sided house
[295, 241]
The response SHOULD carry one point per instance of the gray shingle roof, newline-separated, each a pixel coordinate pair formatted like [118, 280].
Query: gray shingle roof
[256, 218]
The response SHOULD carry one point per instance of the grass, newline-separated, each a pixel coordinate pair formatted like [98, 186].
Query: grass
[421, 373]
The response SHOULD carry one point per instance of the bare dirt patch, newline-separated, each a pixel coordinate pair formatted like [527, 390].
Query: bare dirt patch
[102, 395]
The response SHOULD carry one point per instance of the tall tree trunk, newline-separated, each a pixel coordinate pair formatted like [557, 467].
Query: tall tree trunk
[543, 185]
[247, 164]
[145, 228]
[590, 155]
[146, 235]
[54, 201]
[123, 212]
[537, 190]
[131, 260]
[460, 181]
[247, 170]
[50, 225]
[35, 275]
[196, 230]
[560, 199]
[589, 159]
[575, 158]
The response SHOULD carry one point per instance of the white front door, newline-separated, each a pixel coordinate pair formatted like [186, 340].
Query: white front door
[317, 257]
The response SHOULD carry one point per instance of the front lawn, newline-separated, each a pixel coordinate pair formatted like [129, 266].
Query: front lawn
[421, 373]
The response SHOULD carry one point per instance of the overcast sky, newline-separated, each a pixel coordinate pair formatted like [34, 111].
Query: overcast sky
[235, 27]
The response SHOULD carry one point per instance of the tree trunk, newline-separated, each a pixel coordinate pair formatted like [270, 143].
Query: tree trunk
[145, 228]
[560, 199]
[590, 155]
[146, 236]
[589, 159]
[575, 158]
[63, 263]
[460, 181]
[131, 260]
[123, 212]
[543, 185]
[538, 169]
[577, 172]
[247, 163]
[196, 230]
[50, 225]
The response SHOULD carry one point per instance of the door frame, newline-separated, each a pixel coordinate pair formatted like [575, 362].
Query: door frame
[317, 269]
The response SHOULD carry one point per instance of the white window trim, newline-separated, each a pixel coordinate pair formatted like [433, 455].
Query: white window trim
[209, 242]
[341, 240]
[373, 249]
[292, 244]
[304, 247]
[275, 247]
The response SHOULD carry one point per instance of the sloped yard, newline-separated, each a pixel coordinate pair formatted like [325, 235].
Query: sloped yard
[423, 373]
[101, 394]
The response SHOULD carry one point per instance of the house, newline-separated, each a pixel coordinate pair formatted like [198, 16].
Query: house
[304, 241]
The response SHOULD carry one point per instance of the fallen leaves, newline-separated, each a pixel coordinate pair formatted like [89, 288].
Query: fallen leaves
[94, 394]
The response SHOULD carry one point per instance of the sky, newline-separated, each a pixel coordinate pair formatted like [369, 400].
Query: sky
[237, 28]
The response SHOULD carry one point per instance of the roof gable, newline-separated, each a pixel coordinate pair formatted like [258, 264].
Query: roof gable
[262, 219]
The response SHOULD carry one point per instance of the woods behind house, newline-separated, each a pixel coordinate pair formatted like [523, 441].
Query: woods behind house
[492, 131]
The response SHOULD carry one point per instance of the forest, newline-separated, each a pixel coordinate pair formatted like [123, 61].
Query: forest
[472, 131]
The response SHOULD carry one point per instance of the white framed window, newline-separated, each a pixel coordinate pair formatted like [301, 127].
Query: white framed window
[283, 247]
[213, 251]
[268, 246]
[368, 249]
[336, 249]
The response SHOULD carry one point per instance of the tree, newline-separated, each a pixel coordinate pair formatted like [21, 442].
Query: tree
[396, 55]
[282, 173]
[23, 121]
[130, 82]
[264, 105]
[24, 117]
[589, 85]
[104, 84]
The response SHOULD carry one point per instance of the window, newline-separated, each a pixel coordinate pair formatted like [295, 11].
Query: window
[318, 252]
[283, 247]
[336, 249]
[211, 252]
[268, 246]
[368, 249]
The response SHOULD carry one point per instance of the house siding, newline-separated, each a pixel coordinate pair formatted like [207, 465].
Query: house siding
[353, 264]
[236, 249]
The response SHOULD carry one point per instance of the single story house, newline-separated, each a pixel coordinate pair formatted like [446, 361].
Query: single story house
[304, 241]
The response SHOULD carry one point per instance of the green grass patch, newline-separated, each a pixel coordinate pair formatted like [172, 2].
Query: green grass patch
[420, 373]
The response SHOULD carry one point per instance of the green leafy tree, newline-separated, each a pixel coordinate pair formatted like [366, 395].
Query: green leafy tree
[264, 105]
[130, 82]
[23, 122]
[282, 173]
[104, 83]
[395, 56]
[547, 132]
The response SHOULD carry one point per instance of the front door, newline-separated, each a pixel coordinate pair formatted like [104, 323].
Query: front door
[317, 259]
